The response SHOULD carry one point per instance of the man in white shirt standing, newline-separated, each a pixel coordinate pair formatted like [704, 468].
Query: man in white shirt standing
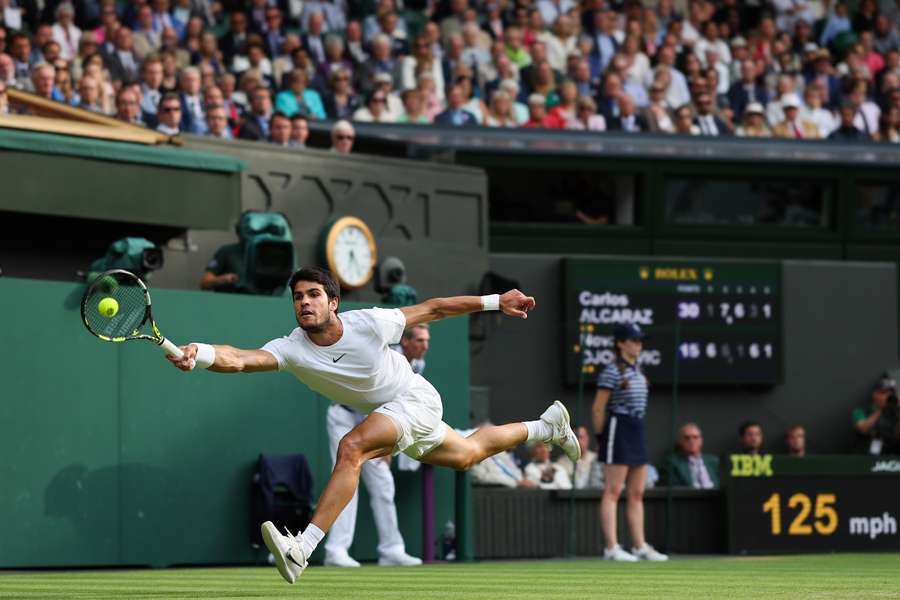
[347, 359]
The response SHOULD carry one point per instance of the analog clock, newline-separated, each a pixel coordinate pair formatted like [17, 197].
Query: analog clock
[350, 252]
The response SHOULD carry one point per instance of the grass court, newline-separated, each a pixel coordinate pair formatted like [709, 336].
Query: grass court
[837, 576]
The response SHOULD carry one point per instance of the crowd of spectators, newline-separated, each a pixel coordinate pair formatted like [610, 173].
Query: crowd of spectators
[259, 69]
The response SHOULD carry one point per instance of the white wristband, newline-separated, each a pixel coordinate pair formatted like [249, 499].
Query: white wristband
[206, 355]
[490, 302]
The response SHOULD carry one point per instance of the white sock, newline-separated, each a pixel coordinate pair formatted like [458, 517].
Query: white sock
[311, 538]
[538, 431]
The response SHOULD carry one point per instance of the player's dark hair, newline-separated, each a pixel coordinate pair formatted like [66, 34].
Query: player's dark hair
[320, 276]
[746, 425]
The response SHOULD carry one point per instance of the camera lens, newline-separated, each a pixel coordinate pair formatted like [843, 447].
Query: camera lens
[152, 259]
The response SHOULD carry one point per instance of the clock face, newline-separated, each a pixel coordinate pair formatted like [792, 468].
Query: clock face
[351, 252]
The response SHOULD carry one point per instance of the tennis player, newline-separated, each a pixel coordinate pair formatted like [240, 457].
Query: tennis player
[347, 359]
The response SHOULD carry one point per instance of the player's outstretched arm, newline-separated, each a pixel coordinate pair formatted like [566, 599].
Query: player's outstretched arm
[513, 303]
[227, 359]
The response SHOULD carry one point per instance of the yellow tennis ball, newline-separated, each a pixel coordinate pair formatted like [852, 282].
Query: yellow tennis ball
[108, 307]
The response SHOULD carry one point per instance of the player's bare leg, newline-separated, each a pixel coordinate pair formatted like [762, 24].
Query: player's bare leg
[375, 436]
[460, 453]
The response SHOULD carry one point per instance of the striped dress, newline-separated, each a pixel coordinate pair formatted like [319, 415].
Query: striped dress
[631, 401]
[623, 440]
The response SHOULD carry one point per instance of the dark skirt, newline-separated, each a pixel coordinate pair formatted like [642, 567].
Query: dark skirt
[623, 441]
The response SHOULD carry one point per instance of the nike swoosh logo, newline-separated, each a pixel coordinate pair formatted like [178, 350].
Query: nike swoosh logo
[334, 360]
[291, 558]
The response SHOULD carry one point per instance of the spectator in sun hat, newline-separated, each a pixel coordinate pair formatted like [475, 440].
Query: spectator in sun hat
[793, 127]
[823, 73]
[385, 84]
[754, 123]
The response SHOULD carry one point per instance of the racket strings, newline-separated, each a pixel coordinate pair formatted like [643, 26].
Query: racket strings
[132, 306]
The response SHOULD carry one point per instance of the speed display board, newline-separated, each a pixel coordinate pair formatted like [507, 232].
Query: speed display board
[813, 504]
[722, 319]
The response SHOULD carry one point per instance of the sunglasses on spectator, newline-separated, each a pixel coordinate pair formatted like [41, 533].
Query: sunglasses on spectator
[342, 137]
[378, 100]
[170, 109]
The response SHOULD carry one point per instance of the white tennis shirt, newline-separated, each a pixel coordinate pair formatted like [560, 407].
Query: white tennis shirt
[358, 370]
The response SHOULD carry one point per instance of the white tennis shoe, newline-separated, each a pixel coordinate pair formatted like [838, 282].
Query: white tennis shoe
[557, 417]
[290, 559]
[648, 552]
[618, 554]
[340, 559]
[399, 560]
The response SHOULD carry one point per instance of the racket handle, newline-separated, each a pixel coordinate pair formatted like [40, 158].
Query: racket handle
[171, 349]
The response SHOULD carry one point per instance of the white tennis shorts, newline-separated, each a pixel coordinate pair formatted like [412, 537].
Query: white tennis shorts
[417, 414]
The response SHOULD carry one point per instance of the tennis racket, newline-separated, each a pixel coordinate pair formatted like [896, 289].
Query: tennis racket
[132, 320]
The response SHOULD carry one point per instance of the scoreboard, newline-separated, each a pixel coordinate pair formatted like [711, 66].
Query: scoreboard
[720, 320]
[812, 504]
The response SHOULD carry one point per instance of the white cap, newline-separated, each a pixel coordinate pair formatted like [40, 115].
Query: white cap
[755, 107]
[790, 101]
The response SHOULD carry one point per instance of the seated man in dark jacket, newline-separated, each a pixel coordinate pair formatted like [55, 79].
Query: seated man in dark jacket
[455, 115]
[688, 466]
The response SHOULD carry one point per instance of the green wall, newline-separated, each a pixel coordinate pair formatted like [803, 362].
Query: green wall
[112, 457]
